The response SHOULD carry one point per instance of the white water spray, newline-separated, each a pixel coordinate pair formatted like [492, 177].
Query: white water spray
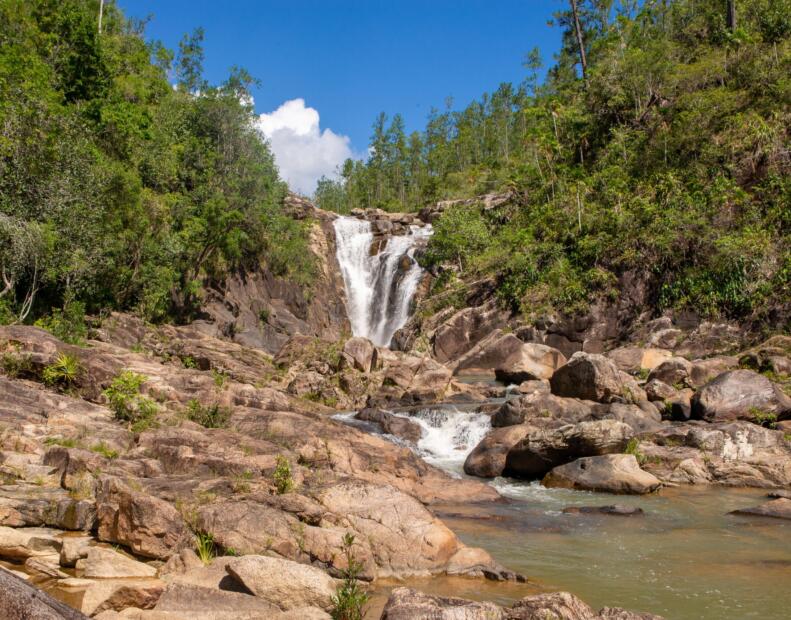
[380, 285]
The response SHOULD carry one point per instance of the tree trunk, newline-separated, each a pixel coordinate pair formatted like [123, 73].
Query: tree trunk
[580, 42]
[731, 19]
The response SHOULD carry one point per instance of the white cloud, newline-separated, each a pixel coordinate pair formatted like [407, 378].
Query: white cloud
[302, 150]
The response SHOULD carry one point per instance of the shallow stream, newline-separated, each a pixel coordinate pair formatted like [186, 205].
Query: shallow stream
[684, 558]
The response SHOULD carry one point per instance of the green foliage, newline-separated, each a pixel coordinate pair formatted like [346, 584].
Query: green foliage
[763, 418]
[210, 416]
[67, 324]
[127, 403]
[633, 448]
[282, 476]
[116, 190]
[350, 599]
[16, 365]
[66, 442]
[667, 166]
[64, 372]
[105, 450]
[205, 548]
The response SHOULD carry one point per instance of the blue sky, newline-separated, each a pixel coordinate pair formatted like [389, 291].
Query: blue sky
[347, 60]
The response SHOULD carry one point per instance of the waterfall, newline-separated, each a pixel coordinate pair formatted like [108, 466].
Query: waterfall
[380, 280]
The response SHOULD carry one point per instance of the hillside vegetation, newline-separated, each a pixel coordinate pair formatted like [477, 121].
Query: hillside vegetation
[666, 158]
[119, 190]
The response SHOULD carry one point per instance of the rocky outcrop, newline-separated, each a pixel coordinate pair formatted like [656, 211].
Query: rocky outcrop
[465, 329]
[409, 604]
[488, 458]
[542, 450]
[594, 377]
[777, 508]
[509, 359]
[613, 473]
[741, 394]
[391, 424]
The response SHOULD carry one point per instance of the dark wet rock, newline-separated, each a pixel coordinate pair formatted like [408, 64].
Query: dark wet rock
[779, 508]
[542, 450]
[392, 424]
[740, 394]
[487, 459]
[614, 509]
[612, 473]
[594, 377]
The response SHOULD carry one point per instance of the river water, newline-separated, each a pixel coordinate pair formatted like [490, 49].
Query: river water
[684, 558]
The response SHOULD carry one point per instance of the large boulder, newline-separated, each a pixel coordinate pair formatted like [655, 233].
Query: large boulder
[541, 450]
[636, 359]
[464, 330]
[391, 424]
[541, 407]
[19, 600]
[359, 353]
[740, 394]
[102, 563]
[590, 376]
[487, 459]
[151, 527]
[530, 362]
[779, 508]
[26, 542]
[283, 583]
[674, 371]
[612, 473]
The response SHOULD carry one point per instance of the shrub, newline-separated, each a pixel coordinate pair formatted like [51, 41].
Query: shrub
[105, 450]
[67, 324]
[763, 418]
[633, 448]
[204, 546]
[16, 365]
[127, 403]
[350, 599]
[282, 477]
[63, 372]
[213, 416]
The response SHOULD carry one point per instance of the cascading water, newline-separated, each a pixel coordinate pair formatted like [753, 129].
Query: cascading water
[379, 285]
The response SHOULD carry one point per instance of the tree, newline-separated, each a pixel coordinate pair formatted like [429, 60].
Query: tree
[189, 64]
[580, 42]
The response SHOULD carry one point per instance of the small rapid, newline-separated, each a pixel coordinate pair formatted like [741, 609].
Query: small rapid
[380, 280]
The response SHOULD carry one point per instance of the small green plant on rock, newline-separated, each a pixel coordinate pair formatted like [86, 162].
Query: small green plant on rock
[63, 373]
[633, 448]
[204, 546]
[211, 416]
[65, 442]
[282, 477]
[16, 365]
[763, 418]
[128, 404]
[350, 599]
[105, 450]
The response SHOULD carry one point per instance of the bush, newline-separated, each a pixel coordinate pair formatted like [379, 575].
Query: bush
[213, 416]
[67, 324]
[633, 448]
[63, 372]
[16, 365]
[282, 477]
[204, 545]
[126, 401]
[350, 599]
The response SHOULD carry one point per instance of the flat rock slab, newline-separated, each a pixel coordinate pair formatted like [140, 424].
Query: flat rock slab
[102, 563]
[777, 508]
[284, 583]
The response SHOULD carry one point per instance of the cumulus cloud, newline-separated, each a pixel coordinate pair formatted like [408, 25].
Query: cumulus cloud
[302, 150]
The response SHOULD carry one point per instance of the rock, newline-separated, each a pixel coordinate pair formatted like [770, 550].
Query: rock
[780, 493]
[409, 604]
[674, 371]
[614, 509]
[359, 353]
[540, 406]
[679, 406]
[48, 565]
[530, 362]
[26, 542]
[43, 506]
[213, 575]
[703, 371]
[636, 359]
[487, 459]
[461, 332]
[102, 563]
[657, 390]
[146, 524]
[777, 508]
[642, 417]
[542, 450]
[116, 594]
[740, 394]
[591, 376]
[74, 548]
[180, 563]
[21, 601]
[190, 600]
[613, 473]
[392, 424]
[283, 583]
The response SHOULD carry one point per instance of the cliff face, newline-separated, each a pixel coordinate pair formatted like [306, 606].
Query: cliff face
[258, 309]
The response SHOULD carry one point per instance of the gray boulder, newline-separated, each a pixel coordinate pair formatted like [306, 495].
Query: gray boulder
[612, 473]
[740, 395]
[590, 376]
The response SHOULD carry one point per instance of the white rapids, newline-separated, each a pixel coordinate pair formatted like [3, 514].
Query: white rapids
[379, 286]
